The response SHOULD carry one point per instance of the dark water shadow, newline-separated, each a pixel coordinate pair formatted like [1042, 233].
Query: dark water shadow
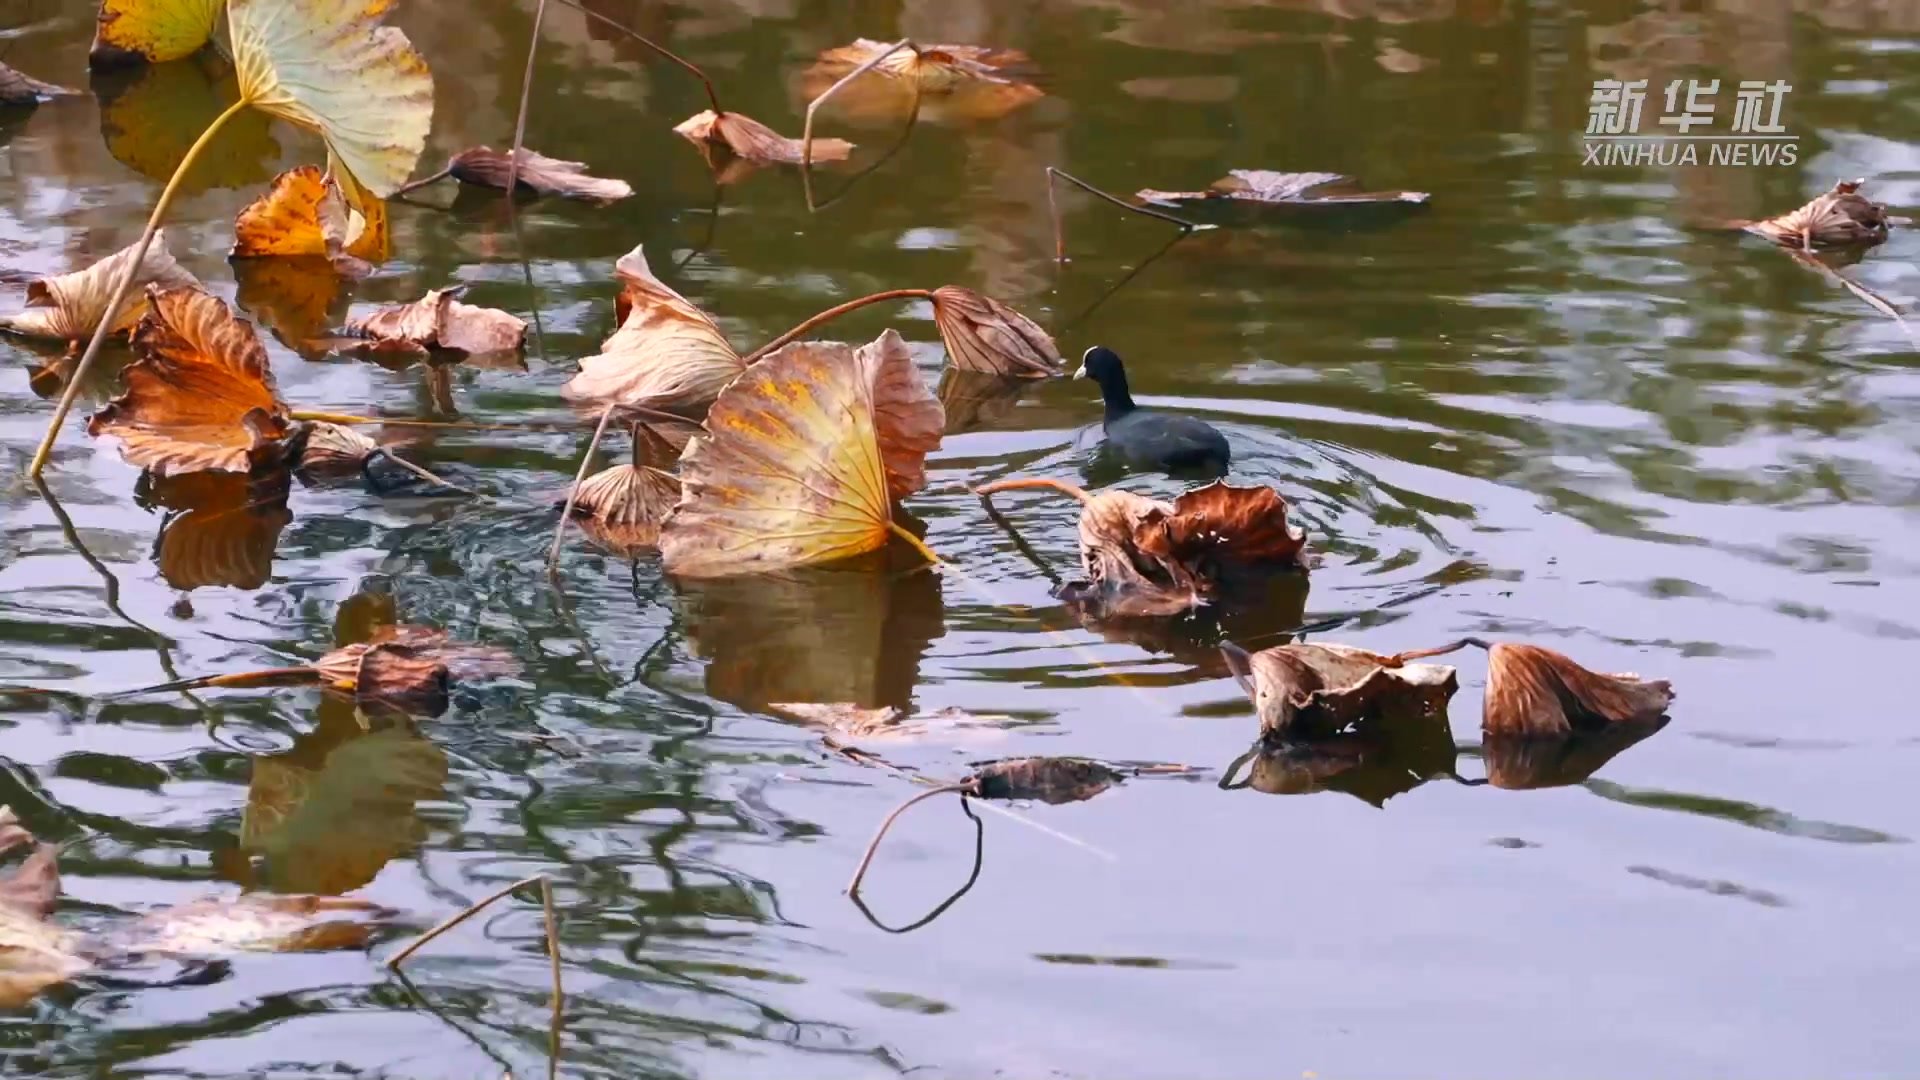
[1373, 762]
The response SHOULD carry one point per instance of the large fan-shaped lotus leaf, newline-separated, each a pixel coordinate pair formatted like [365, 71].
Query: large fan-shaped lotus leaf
[199, 392]
[70, 307]
[329, 66]
[666, 354]
[151, 31]
[804, 456]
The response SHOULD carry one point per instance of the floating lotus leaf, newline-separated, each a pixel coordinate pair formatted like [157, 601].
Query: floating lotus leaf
[389, 675]
[1263, 186]
[947, 83]
[151, 31]
[303, 213]
[886, 723]
[19, 89]
[486, 167]
[621, 508]
[199, 393]
[1051, 780]
[440, 322]
[151, 123]
[335, 450]
[70, 307]
[328, 66]
[937, 68]
[754, 141]
[254, 922]
[1307, 690]
[804, 455]
[1837, 218]
[666, 354]
[1535, 691]
[984, 335]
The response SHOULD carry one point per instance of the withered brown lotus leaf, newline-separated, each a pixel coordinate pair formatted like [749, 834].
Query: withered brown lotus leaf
[69, 307]
[1220, 526]
[486, 167]
[1051, 780]
[12, 833]
[804, 456]
[225, 528]
[1123, 577]
[750, 139]
[463, 659]
[388, 674]
[886, 722]
[937, 68]
[1536, 691]
[335, 450]
[439, 322]
[666, 354]
[984, 335]
[34, 953]
[621, 508]
[253, 922]
[33, 887]
[1282, 188]
[18, 89]
[199, 395]
[1837, 218]
[302, 213]
[1306, 690]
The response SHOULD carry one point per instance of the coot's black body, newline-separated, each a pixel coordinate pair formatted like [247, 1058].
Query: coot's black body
[1145, 439]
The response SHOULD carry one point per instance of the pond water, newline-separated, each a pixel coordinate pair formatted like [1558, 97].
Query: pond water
[1542, 409]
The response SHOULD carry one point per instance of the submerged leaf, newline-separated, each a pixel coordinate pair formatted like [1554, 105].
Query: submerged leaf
[329, 66]
[335, 450]
[1284, 189]
[34, 953]
[804, 456]
[19, 89]
[984, 335]
[666, 353]
[1535, 691]
[948, 83]
[71, 306]
[1838, 217]
[151, 31]
[199, 393]
[225, 528]
[886, 722]
[754, 141]
[1306, 690]
[439, 322]
[1051, 780]
[486, 167]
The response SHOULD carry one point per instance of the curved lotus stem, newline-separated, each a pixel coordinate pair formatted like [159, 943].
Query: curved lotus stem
[573, 493]
[833, 313]
[125, 283]
[964, 788]
[462, 916]
[713, 99]
[806, 130]
[979, 861]
[1027, 483]
[526, 95]
[1059, 231]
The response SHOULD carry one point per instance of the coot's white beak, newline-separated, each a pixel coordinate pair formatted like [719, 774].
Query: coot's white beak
[1081, 373]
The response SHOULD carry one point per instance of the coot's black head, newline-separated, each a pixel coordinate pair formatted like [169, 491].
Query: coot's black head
[1103, 366]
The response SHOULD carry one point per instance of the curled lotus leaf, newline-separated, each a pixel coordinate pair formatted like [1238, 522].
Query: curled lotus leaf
[804, 456]
[984, 335]
[752, 140]
[19, 89]
[151, 31]
[387, 674]
[439, 322]
[1307, 690]
[1051, 780]
[666, 353]
[1536, 691]
[945, 83]
[302, 213]
[484, 166]
[335, 450]
[69, 307]
[329, 66]
[1264, 186]
[1215, 528]
[937, 68]
[1840, 217]
[463, 659]
[199, 395]
[621, 508]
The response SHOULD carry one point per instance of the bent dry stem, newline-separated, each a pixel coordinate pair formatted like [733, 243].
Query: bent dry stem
[806, 131]
[125, 283]
[1059, 230]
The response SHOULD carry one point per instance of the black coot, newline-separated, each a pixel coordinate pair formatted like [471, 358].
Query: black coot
[1144, 439]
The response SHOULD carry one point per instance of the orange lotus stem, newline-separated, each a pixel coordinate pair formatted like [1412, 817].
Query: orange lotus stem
[835, 312]
[1415, 654]
[917, 543]
[1028, 483]
[289, 676]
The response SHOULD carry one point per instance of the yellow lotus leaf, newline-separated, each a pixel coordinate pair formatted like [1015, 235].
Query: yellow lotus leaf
[368, 235]
[150, 124]
[750, 139]
[151, 31]
[302, 214]
[327, 65]
[199, 393]
[666, 354]
[70, 307]
[803, 458]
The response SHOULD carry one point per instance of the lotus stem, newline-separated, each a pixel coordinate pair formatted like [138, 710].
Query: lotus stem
[553, 947]
[964, 787]
[425, 474]
[835, 312]
[154, 219]
[713, 99]
[520, 121]
[1028, 483]
[918, 544]
[287, 676]
[1442, 650]
[426, 181]
[458, 918]
[573, 493]
[806, 131]
[351, 419]
[1059, 230]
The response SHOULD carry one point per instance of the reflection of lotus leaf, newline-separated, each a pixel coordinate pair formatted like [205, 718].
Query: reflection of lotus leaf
[151, 122]
[329, 814]
[227, 531]
[296, 298]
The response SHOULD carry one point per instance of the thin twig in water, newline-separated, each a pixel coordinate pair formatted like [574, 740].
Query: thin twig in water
[1059, 230]
[553, 956]
[979, 861]
[963, 788]
[1028, 483]
[573, 493]
[456, 919]
[806, 131]
[713, 99]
